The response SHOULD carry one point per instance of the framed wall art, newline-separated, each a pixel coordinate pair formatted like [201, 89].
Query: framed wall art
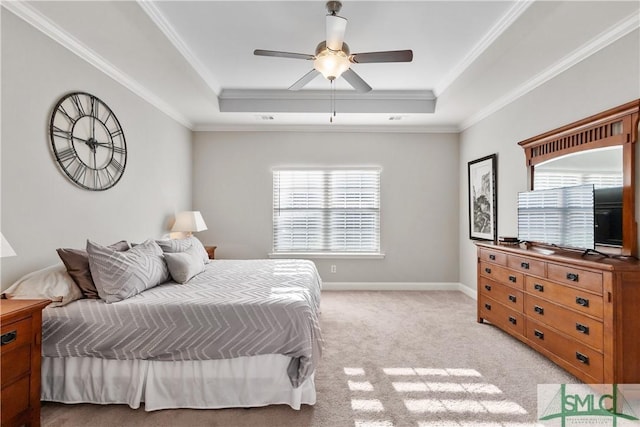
[483, 199]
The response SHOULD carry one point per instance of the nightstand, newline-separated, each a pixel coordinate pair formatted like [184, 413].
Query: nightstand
[211, 250]
[20, 359]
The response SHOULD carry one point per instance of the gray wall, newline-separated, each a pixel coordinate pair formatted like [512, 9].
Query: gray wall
[41, 209]
[419, 196]
[605, 80]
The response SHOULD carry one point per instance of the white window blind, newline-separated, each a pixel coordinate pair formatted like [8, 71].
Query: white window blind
[547, 180]
[326, 211]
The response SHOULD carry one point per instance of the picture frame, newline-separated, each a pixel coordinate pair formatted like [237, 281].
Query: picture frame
[483, 198]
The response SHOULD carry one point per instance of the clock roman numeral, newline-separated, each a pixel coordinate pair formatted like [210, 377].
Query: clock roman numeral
[119, 150]
[62, 133]
[75, 99]
[66, 115]
[94, 106]
[66, 154]
[115, 133]
[116, 165]
[80, 173]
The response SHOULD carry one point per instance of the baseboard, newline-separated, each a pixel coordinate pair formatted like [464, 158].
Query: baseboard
[399, 286]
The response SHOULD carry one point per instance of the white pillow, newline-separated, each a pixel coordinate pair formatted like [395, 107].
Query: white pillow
[184, 265]
[181, 245]
[52, 283]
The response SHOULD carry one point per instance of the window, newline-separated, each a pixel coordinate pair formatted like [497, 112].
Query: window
[326, 211]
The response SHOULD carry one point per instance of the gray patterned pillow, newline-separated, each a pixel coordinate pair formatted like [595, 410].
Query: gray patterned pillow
[184, 265]
[120, 275]
[181, 245]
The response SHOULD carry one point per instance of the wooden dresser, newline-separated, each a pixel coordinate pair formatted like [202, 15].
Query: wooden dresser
[21, 325]
[582, 312]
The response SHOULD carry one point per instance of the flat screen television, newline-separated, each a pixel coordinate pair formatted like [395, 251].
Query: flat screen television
[608, 204]
[563, 217]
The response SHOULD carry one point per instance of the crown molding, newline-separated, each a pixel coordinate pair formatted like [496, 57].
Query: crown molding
[171, 34]
[329, 128]
[604, 39]
[33, 17]
[491, 36]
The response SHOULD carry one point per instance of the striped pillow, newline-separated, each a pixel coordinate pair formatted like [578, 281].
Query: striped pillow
[121, 275]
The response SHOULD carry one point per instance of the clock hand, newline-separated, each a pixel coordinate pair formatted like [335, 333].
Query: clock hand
[80, 139]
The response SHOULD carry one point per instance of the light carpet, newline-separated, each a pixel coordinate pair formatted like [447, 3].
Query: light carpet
[391, 359]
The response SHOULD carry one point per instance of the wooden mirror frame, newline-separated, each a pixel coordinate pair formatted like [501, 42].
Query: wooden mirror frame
[617, 126]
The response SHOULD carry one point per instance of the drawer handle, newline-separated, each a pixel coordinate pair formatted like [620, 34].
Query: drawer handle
[524, 265]
[582, 358]
[512, 279]
[583, 329]
[487, 270]
[487, 287]
[538, 309]
[492, 257]
[9, 337]
[582, 301]
[538, 287]
[512, 298]
[513, 320]
[572, 276]
[538, 334]
[487, 306]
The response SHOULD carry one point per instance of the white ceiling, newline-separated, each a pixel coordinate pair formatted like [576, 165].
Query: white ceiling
[193, 58]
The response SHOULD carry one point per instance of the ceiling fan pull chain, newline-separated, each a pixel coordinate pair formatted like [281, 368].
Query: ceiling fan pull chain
[333, 101]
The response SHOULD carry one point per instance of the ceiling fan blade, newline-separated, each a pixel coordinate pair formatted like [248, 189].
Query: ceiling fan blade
[384, 56]
[304, 80]
[336, 27]
[356, 81]
[261, 52]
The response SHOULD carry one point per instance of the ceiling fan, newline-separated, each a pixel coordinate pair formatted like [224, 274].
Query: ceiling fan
[333, 58]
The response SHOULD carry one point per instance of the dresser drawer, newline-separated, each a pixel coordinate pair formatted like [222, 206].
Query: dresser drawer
[506, 295]
[573, 298]
[501, 316]
[526, 265]
[576, 325]
[575, 277]
[574, 353]
[493, 256]
[15, 334]
[15, 399]
[502, 275]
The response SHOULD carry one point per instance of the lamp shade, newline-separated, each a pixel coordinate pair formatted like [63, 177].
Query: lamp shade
[189, 222]
[5, 248]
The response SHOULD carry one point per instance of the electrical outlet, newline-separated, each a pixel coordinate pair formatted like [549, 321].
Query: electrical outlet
[333, 268]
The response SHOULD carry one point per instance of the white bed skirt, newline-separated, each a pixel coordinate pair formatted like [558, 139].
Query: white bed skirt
[208, 384]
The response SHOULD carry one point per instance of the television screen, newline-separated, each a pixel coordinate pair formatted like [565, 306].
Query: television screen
[563, 217]
[608, 202]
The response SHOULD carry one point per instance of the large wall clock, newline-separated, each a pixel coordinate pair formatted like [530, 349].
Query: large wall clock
[88, 141]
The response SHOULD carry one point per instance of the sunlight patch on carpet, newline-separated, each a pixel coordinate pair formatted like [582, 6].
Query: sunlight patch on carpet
[354, 371]
[409, 386]
[360, 386]
[364, 423]
[367, 405]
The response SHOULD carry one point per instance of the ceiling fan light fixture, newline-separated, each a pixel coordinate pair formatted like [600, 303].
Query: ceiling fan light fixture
[331, 64]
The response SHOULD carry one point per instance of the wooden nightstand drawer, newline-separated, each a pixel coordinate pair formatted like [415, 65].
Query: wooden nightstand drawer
[15, 335]
[15, 363]
[15, 398]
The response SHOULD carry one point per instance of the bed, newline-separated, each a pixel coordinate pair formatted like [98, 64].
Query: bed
[242, 333]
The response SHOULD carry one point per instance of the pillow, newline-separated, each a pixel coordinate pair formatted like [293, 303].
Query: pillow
[52, 283]
[120, 275]
[184, 265]
[77, 263]
[181, 245]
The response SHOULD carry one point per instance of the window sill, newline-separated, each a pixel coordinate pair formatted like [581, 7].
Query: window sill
[321, 255]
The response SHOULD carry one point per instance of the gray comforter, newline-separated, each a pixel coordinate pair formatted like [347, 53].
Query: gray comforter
[233, 309]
